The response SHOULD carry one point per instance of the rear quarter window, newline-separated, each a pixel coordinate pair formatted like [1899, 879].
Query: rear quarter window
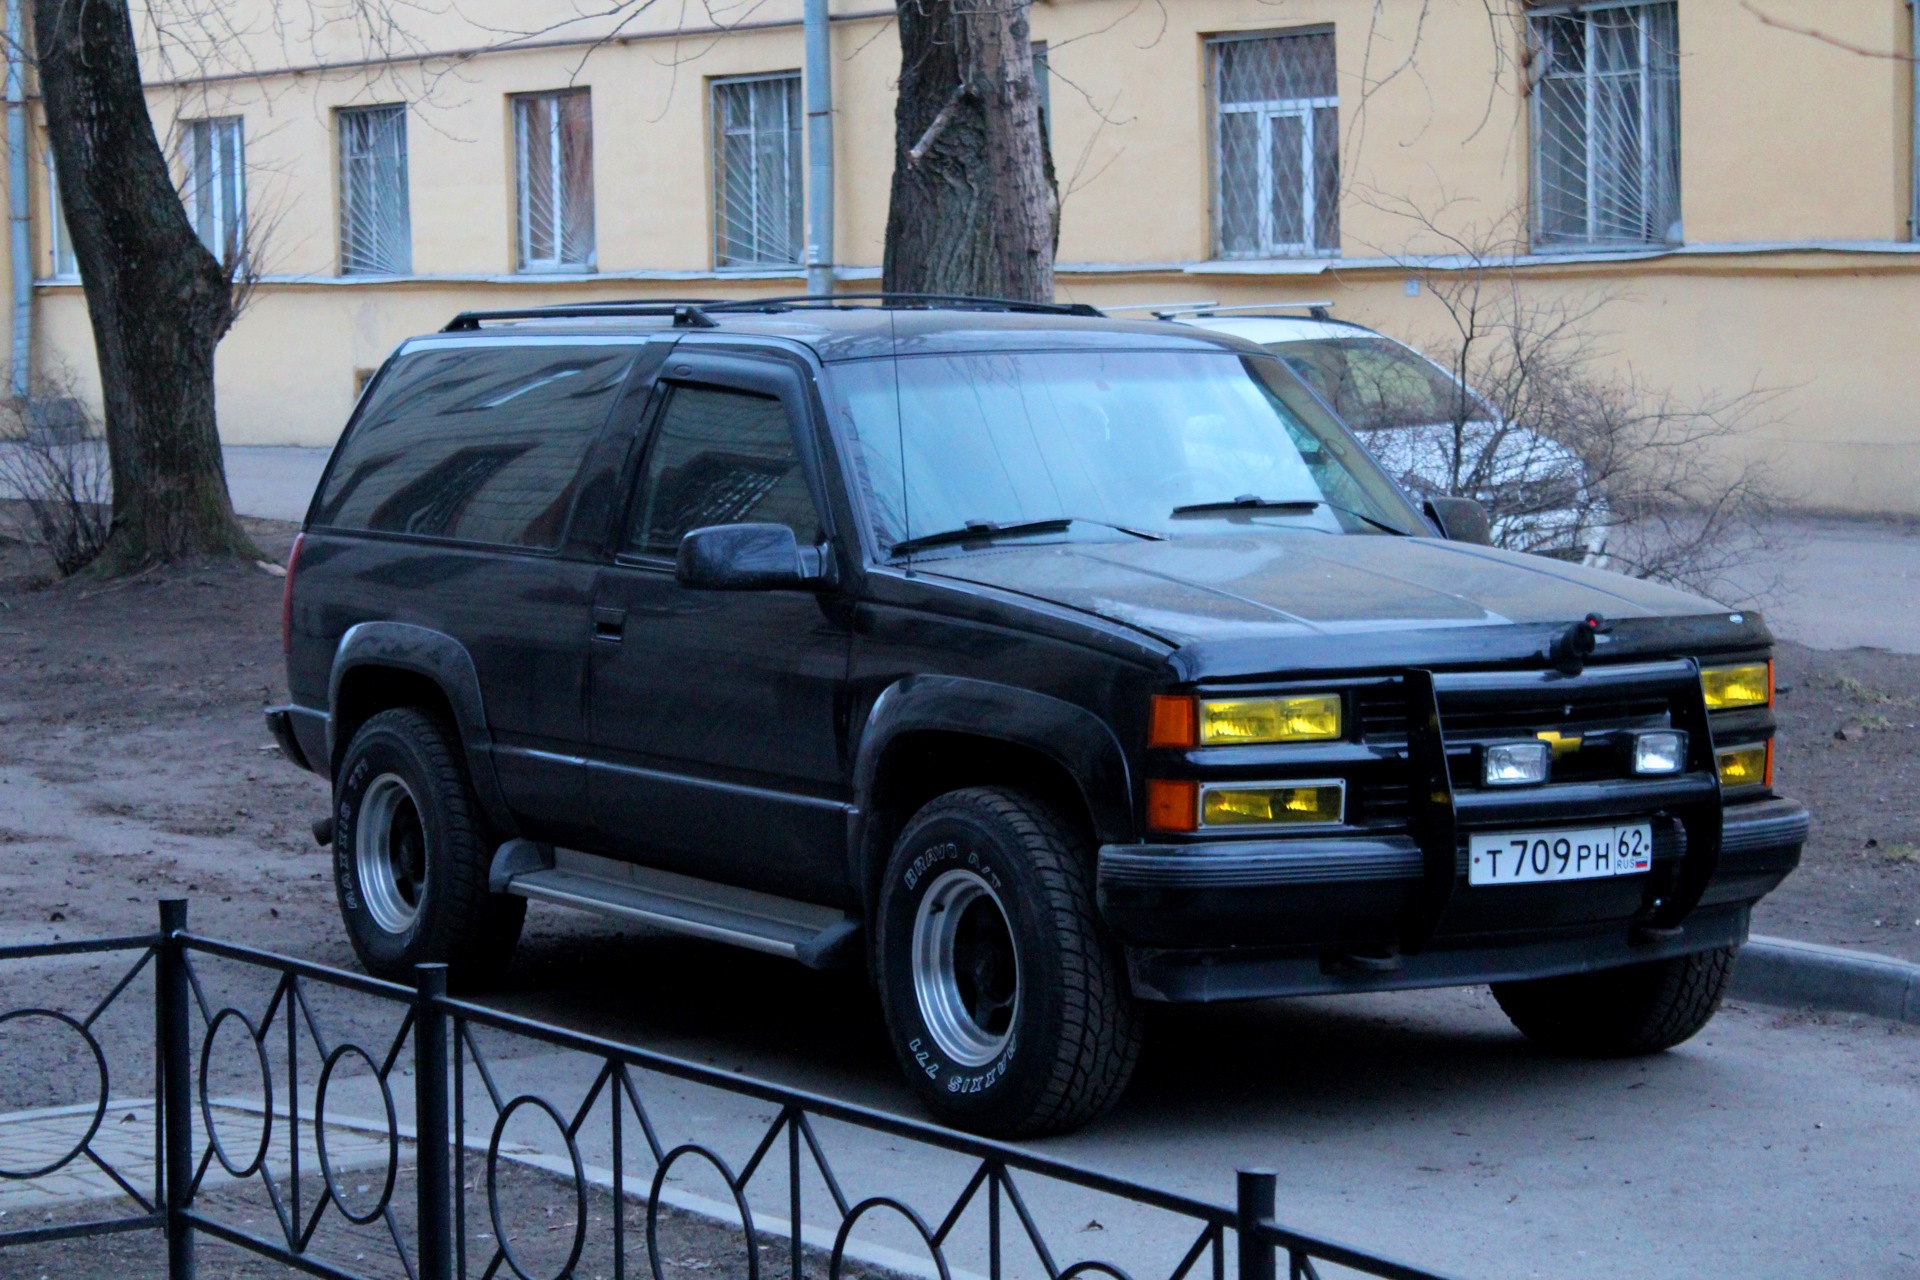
[480, 443]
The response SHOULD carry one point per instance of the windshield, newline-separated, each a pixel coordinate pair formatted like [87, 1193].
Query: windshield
[1374, 383]
[1114, 439]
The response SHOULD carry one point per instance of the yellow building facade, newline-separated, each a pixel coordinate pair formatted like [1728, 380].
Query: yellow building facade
[1738, 177]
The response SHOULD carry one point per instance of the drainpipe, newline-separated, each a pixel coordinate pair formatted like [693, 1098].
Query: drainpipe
[819, 89]
[1913, 148]
[18, 215]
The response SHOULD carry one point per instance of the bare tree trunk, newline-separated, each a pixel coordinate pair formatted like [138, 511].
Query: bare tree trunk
[158, 300]
[975, 206]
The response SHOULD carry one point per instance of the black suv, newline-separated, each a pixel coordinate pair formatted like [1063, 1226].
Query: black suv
[1043, 663]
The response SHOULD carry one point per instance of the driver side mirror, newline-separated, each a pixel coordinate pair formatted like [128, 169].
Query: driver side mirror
[1461, 520]
[749, 557]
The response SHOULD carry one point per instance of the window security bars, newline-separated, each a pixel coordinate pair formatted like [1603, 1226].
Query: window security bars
[216, 195]
[1276, 127]
[607, 1109]
[1606, 126]
[758, 193]
[376, 236]
[59, 240]
[553, 149]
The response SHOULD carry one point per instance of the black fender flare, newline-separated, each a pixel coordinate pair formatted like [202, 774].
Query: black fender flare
[445, 661]
[1070, 735]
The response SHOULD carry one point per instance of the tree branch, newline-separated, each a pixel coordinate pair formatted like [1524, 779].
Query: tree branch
[918, 151]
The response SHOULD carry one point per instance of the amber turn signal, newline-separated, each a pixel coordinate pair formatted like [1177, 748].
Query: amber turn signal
[1173, 806]
[1170, 722]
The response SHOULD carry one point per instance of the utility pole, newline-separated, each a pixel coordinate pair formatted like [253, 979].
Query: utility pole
[819, 90]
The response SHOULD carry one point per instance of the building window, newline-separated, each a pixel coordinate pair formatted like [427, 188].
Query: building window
[1276, 125]
[216, 195]
[756, 171]
[1606, 126]
[553, 147]
[65, 265]
[376, 236]
[1043, 83]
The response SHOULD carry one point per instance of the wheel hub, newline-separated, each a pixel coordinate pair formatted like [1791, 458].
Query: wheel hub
[966, 973]
[390, 854]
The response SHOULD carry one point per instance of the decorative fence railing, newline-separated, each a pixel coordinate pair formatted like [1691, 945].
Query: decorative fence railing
[425, 1234]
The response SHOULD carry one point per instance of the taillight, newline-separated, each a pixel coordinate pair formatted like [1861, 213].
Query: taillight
[286, 596]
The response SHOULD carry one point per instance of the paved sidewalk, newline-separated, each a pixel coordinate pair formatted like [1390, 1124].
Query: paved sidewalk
[31, 1140]
[273, 482]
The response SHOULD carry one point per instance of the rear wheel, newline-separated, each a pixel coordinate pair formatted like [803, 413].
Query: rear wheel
[411, 853]
[1620, 1013]
[1006, 1000]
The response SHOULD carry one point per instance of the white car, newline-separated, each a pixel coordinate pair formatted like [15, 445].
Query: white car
[1430, 431]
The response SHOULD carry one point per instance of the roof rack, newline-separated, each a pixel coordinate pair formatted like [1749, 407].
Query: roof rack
[469, 321]
[693, 313]
[1321, 310]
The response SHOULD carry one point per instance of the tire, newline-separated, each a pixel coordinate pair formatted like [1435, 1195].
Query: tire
[411, 853]
[1620, 1013]
[1005, 999]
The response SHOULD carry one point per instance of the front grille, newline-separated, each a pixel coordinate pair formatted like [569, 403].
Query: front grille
[1600, 717]
[1382, 804]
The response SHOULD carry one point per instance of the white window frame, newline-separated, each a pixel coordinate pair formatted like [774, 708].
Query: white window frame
[796, 200]
[1266, 113]
[65, 265]
[557, 178]
[1301, 109]
[1590, 79]
[224, 230]
[350, 190]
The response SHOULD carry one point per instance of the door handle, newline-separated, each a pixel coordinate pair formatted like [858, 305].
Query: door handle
[609, 624]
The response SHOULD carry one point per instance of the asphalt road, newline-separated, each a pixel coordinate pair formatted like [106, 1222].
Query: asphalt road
[1418, 1124]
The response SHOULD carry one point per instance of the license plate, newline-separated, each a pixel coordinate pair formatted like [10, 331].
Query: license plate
[1573, 853]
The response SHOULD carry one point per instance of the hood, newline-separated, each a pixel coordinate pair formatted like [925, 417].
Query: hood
[1235, 586]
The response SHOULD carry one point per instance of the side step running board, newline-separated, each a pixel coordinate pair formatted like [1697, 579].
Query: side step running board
[819, 937]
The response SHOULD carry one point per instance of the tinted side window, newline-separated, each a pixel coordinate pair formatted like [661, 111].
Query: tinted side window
[720, 457]
[482, 444]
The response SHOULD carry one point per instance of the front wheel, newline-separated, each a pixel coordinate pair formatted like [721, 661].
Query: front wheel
[1006, 1000]
[1620, 1013]
[410, 855]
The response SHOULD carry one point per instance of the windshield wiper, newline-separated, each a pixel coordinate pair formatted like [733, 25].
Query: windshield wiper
[1254, 502]
[987, 530]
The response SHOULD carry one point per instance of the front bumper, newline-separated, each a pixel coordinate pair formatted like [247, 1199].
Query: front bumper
[1320, 900]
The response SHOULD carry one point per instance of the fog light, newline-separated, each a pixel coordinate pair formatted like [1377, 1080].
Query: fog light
[1748, 685]
[1748, 766]
[1288, 805]
[1515, 764]
[1661, 752]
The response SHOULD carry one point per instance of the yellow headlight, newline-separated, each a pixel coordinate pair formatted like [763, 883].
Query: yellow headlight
[1746, 766]
[1272, 806]
[1309, 718]
[1749, 685]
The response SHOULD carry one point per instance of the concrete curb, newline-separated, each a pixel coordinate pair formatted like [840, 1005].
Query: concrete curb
[1784, 972]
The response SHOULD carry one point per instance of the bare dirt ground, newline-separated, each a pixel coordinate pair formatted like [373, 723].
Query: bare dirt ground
[538, 1213]
[134, 765]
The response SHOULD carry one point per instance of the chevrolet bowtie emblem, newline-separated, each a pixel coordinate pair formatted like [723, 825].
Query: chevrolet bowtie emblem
[1562, 743]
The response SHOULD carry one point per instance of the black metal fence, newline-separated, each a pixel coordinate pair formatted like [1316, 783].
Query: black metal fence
[424, 1233]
